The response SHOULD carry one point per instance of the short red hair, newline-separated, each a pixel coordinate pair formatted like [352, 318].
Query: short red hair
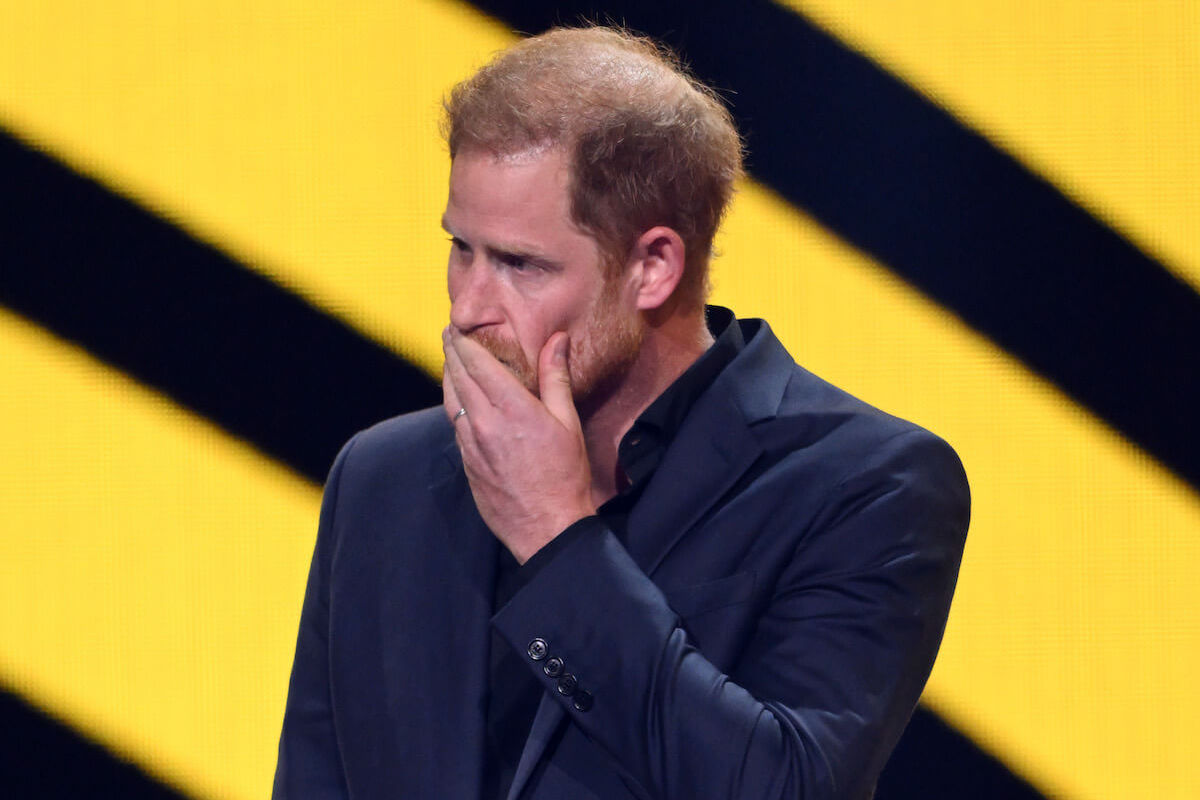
[649, 145]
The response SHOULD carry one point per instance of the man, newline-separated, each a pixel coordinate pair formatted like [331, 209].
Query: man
[639, 552]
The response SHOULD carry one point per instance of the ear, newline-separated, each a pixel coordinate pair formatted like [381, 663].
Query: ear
[657, 259]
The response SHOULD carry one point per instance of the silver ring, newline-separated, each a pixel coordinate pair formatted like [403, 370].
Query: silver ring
[462, 412]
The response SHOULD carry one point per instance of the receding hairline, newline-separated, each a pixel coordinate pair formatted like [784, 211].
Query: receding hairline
[646, 142]
[603, 71]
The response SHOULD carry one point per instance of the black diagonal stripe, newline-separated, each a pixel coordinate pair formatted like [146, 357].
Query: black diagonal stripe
[42, 758]
[902, 180]
[188, 320]
[935, 762]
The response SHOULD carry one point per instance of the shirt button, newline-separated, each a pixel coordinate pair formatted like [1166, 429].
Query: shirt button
[537, 649]
[567, 684]
[583, 700]
[553, 666]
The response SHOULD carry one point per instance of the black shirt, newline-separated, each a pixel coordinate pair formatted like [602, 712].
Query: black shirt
[514, 693]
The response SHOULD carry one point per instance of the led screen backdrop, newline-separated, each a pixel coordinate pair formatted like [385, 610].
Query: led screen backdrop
[220, 256]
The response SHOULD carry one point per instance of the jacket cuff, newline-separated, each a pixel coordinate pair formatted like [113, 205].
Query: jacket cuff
[583, 620]
[588, 526]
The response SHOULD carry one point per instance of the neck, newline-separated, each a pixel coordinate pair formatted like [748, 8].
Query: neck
[669, 348]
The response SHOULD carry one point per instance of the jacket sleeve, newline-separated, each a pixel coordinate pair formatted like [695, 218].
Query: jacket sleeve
[310, 764]
[842, 643]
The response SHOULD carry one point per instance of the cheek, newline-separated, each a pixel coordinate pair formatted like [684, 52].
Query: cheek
[529, 328]
[575, 309]
[568, 315]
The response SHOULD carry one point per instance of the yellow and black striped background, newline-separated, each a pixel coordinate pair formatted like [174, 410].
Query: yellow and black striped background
[220, 256]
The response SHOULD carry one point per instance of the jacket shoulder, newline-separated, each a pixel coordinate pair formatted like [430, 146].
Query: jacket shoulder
[802, 421]
[806, 409]
[398, 445]
[858, 444]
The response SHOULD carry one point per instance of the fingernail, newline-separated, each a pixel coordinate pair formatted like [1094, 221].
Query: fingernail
[560, 350]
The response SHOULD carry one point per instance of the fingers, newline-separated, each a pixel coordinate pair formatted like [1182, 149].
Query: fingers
[475, 380]
[496, 382]
[554, 380]
[459, 394]
[450, 402]
[464, 388]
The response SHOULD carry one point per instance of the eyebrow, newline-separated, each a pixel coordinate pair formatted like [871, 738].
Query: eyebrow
[516, 250]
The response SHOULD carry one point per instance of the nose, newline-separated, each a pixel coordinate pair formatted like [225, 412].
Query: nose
[472, 295]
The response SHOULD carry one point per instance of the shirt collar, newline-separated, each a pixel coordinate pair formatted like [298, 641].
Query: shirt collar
[642, 447]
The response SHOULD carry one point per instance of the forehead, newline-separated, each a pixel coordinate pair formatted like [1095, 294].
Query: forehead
[529, 180]
[522, 196]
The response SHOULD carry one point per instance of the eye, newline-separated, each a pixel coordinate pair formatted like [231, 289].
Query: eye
[460, 251]
[514, 261]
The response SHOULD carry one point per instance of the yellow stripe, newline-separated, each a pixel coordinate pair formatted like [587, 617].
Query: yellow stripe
[150, 569]
[301, 138]
[1097, 95]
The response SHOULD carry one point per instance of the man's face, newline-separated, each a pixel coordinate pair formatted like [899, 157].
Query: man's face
[520, 269]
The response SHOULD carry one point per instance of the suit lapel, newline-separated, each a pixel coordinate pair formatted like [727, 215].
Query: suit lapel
[710, 453]
[474, 547]
[713, 449]
[464, 629]
[549, 717]
[476, 550]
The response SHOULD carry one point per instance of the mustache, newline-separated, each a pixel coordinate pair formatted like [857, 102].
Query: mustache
[503, 349]
[509, 353]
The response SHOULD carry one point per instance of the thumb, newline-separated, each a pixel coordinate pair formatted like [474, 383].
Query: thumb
[554, 380]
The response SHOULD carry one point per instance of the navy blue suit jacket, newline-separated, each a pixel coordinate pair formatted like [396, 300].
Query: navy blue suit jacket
[765, 632]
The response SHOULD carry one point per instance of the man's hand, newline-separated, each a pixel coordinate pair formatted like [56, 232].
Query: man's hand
[525, 458]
